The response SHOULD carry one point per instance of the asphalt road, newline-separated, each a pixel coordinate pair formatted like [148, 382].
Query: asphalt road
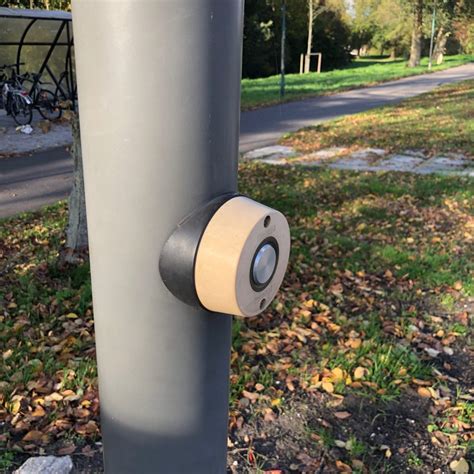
[29, 182]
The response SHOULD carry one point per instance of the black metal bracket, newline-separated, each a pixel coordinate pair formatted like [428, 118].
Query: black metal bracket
[178, 256]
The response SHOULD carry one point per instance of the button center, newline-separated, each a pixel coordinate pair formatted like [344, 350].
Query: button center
[264, 264]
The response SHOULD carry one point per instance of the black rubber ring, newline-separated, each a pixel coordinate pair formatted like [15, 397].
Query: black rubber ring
[261, 286]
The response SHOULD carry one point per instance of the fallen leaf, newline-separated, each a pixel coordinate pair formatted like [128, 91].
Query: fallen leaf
[431, 352]
[66, 450]
[336, 289]
[424, 392]
[328, 387]
[337, 374]
[38, 412]
[7, 354]
[251, 396]
[355, 343]
[33, 436]
[342, 415]
[341, 467]
[359, 373]
[459, 466]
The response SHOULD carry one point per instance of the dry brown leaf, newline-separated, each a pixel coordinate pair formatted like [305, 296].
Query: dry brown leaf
[359, 373]
[328, 387]
[337, 374]
[355, 343]
[336, 289]
[250, 395]
[423, 383]
[342, 467]
[69, 449]
[33, 435]
[38, 412]
[459, 466]
[424, 392]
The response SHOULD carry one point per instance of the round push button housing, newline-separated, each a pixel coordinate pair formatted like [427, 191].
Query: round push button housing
[242, 258]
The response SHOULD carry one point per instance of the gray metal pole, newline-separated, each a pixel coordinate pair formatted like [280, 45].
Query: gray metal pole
[283, 41]
[159, 95]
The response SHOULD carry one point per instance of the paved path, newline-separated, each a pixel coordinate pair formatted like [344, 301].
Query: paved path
[27, 183]
[265, 126]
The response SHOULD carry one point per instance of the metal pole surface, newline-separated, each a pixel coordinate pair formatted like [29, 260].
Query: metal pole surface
[159, 95]
[283, 41]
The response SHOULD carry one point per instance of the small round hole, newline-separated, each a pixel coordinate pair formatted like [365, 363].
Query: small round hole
[266, 222]
[262, 303]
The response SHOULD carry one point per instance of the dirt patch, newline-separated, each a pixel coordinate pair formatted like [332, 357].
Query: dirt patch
[308, 437]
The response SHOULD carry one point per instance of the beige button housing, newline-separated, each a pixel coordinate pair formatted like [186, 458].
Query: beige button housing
[238, 237]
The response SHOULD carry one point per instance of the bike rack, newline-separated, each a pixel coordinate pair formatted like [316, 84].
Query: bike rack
[32, 20]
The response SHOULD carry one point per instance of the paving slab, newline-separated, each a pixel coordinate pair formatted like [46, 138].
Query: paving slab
[399, 163]
[273, 160]
[351, 163]
[46, 465]
[371, 159]
[444, 164]
[276, 151]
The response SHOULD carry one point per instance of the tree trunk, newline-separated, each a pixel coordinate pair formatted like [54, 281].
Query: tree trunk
[307, 60]
[440, 45]
[77, 227]
[417, 35]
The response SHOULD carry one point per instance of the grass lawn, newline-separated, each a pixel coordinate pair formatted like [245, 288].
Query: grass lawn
[363, 363]
[362, 72]
[436, 122]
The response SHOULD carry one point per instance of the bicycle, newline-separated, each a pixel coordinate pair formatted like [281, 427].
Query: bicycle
[43, 99]
[16, 100]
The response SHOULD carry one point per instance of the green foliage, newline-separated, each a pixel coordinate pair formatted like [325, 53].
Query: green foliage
[41, 4]
[262, 33]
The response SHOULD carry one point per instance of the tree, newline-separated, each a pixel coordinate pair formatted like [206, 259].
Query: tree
[417, 34]
[262, 35]
[383, 25]
[315, 8]
[259, 31]
[76, 233]
[363, 24]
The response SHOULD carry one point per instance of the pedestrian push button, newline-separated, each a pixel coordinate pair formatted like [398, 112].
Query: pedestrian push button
[229, 256]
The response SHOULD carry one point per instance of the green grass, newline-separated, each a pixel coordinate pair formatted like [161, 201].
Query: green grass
[6, 460]
[435, 122]
[362, 72]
